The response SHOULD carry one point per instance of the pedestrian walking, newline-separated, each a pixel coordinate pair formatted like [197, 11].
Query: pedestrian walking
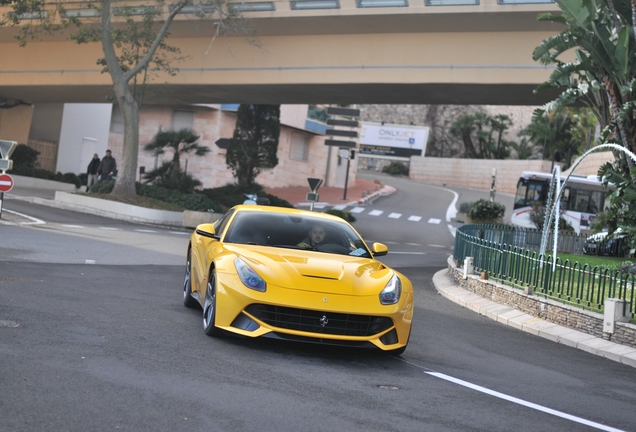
[107, 167]
[92, 171]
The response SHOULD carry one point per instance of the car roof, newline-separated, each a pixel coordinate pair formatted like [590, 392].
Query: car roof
[286, 210]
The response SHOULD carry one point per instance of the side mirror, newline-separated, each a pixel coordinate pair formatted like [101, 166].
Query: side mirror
[206, 230]
[379, 249]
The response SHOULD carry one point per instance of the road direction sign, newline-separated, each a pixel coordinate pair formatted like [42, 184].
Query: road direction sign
[6, 182]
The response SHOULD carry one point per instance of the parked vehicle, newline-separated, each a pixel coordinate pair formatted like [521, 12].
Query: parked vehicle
[617, 244]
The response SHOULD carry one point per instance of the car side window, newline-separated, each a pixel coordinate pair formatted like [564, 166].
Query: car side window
[220, 225]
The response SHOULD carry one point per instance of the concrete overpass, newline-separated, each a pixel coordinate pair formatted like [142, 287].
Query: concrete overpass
[427, 52]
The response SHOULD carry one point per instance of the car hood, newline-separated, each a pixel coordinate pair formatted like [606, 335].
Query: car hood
[316, 271]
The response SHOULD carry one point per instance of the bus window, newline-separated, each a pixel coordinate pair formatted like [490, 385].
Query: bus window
[536, 193]
[520, 196]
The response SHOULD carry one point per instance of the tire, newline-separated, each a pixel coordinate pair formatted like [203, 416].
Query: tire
[209, 307]
[188, 300]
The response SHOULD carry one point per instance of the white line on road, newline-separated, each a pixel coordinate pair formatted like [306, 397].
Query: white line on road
[356, 210]
[35, 221]
[340, 206]
[434, 221]
[523, 402]
[395, 215]
[72, 226]
[145, 231]
[179, 233]
[415, 218]
[375, 212]
[438, 246]
[110, 228]
[413, 244]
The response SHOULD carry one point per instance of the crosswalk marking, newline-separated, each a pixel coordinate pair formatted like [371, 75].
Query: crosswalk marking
[340, 206]
[375, 212]
[434, 221]
[395, 215]
[356, 210]
[415, 218]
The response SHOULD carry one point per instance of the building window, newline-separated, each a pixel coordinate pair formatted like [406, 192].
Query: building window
[314, 4]
[253, 7]
[299, 147]
[116, 120]
[182, 120]
[451, 2]
[381, 3]
[523, 1]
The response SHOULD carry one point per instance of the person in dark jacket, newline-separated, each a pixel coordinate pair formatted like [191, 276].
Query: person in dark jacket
[92, 171]
[107, 167]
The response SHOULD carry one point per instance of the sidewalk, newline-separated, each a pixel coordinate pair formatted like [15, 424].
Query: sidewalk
[530, 324]
[360, 192]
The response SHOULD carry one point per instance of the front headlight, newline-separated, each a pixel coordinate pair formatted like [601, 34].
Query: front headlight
[392, 291]
[249, 277]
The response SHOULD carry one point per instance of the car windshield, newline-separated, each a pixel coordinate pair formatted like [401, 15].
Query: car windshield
[295, 232]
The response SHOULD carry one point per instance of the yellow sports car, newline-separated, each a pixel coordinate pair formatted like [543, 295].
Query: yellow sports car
[295, 275]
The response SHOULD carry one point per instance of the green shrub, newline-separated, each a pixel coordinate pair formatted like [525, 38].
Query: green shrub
[342, 214]
[465, 207]
[24, 156]
[102, 187]
[486, 211]
[231, 195]
[396, 168]
[194, 201]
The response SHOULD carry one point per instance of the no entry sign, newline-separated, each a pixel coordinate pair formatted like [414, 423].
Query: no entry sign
[6, 182]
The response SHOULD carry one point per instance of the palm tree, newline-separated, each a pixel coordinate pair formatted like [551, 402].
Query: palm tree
[180, 142]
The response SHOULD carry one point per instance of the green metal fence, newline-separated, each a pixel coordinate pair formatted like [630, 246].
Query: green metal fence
[496, 250]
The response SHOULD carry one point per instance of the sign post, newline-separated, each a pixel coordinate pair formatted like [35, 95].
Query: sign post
[312, 197]
[6, 182]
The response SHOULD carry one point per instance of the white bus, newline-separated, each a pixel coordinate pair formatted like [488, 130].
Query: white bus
[582, 198]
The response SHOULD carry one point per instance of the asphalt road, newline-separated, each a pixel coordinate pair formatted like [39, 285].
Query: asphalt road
[109, 346]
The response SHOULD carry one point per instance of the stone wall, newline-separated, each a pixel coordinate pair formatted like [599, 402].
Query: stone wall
[474, 173]
[549, 310]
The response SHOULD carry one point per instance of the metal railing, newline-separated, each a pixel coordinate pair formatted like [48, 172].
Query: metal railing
[499, 251]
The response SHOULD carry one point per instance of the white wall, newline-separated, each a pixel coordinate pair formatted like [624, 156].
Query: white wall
[85, 130]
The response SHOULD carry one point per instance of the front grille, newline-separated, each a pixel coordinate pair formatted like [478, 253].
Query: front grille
[319, 322]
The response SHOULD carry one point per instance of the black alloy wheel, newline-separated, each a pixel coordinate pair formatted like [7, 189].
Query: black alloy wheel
[188, 300]
[209, 307]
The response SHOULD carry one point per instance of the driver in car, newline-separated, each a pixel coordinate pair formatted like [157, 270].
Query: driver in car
[317, 235]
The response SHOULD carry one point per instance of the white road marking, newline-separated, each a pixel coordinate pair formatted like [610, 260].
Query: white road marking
[523, 402]
[434, 221]
[439, 246]
[375, 212]
[145, 231]
[72, 226]
[34, 221]
[452, 229]
[413, 244]
[415, 218]
[407, 253]
[110, 228]
[340, 207]
[89, 261]
[179, 233]
[395, 215]
[356, 210]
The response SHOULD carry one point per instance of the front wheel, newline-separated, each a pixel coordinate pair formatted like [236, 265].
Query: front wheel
[209, 307]
[188, 300]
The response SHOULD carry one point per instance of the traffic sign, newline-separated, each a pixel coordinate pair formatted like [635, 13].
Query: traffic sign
[6, 148]
[314, 183]
[6, 182]
[6, 164]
